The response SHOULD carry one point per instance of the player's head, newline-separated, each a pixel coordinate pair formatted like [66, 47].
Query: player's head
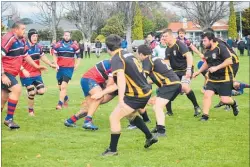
[19, 29]
[208, 39]
[66, 36]
[162, 40]
[181, 33]
[143, 52]
[167, 35]
[33, 36]
[150, 37]
[113, 42]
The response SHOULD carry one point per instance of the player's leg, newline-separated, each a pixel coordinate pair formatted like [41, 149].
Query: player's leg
[4, 98]
[31, 95]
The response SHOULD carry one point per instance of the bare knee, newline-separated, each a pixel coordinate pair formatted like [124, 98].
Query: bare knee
[16, 89]
[41, 91]
[225, 99]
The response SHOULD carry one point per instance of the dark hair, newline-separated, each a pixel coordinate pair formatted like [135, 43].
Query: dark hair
[208, 30]
[113, 42]
[210, 36]
[144, 49]
[181, 30]
[17, 24]
[169, 31]
[152, 34]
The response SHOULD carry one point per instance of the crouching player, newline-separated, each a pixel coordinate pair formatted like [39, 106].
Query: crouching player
[92, 84]
[33, 83]
[165, 78]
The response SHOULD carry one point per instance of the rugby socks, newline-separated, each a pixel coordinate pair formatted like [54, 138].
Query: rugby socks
[114, 141]
[88, 119]
[31, 110]
[234, 104]
[169, 107]
[192, 97]
[60, 103]
[66, 98]
[11, 109]
[138, 122]
[160, 129]
[145, 116]
[72, 119]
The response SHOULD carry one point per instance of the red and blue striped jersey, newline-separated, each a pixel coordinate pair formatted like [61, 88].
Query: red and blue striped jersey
[13, 51]
[100, 72]
[66, 52]
[35, 52]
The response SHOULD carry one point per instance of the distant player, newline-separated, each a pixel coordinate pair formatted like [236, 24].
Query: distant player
[220, 76]
[181, 61]
[93, 85]
[33, 83]
[13, 51]
[167, 81]
[64, 57]
[133, 93]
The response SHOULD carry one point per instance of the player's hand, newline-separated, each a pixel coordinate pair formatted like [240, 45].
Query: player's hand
[6, 80]
[26, 73]
[212, 69]
[76, 66]
[52, 65]
[97, 96]
[188, 73]
[195, 74]
[42, 68]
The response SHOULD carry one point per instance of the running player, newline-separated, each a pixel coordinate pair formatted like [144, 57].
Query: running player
[133, 93]
[220, 74]
[93, 83]
[181, 61]
[14, 50]
[33, 83]
[64, 52]
[163, 76]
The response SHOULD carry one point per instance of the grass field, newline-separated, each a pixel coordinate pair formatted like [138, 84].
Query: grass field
[43, 140]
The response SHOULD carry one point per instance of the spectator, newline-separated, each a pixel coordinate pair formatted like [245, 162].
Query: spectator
[230, 42]
[81, 45]
[234, 46]
[124, 44]
[241, 46]
[248, 45]
[87, 46]
[98, 47]
[150, 40]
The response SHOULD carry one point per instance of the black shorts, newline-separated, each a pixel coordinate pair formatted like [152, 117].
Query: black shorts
[135, 102]
[169, 92]
[235, 67]
[220, 88]
[65, 79]
[12, 80]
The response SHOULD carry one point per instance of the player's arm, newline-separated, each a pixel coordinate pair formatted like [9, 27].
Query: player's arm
[78, 60]
[196, 51]
[47, 61]
[203, 68]
[29, 60]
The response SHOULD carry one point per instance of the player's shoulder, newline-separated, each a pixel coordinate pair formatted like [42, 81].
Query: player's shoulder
[8, 35]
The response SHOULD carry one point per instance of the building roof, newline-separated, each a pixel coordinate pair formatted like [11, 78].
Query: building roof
[189, 26]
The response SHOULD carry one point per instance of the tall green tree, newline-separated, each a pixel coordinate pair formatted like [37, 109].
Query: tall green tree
[147, 25]
[114, 25]
[232, 30]
[246, 21]
[137, 31]
[76, 35]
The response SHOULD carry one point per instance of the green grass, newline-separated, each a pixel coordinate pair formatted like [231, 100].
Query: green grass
[43, 140]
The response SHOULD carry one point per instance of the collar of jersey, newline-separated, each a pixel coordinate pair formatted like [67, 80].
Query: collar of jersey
[117, 51]
[216, 45]
[162, 46]
[173, 44]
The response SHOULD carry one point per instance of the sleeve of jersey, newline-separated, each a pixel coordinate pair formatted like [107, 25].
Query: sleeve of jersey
[26, 49]
[41, 51]
[55, 47]
[117, 64]
[224, 53]
[183, 48]
[6, 43]
[167, 54]
[77, 51]
[147, 67]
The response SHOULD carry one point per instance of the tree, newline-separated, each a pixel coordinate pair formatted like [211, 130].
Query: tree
[46, 34]
[27, 21]
[4, 7]
[101, 38]
[137, 32]
[246, 21]
[160, 20]
[76, 35]
[204, 13]
[93, 37]
[114, 25]
[148, 26]
[232, 30]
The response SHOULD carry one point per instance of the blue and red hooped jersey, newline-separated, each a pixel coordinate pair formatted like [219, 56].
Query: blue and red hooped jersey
[13, 51]
[35, 52]
[66, 52]
[100, 72]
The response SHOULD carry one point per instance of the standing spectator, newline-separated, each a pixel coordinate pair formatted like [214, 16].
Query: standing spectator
[87, 46]
[241, 46]
[150, 40]
[98, 47]
[234, 46]
[81, 45]
[248, 45]
[124, 44]
[230, 42]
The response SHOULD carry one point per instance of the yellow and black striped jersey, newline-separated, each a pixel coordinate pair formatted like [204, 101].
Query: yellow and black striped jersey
[159, 71]
[176, 55]
[215, 57]
[235, 58]
[136, 82]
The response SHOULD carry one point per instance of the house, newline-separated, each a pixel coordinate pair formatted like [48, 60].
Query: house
[194, 31]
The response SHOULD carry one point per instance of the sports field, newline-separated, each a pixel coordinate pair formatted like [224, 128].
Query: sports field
[44, 141]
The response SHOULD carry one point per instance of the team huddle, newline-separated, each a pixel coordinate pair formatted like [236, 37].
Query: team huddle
[169, 66]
